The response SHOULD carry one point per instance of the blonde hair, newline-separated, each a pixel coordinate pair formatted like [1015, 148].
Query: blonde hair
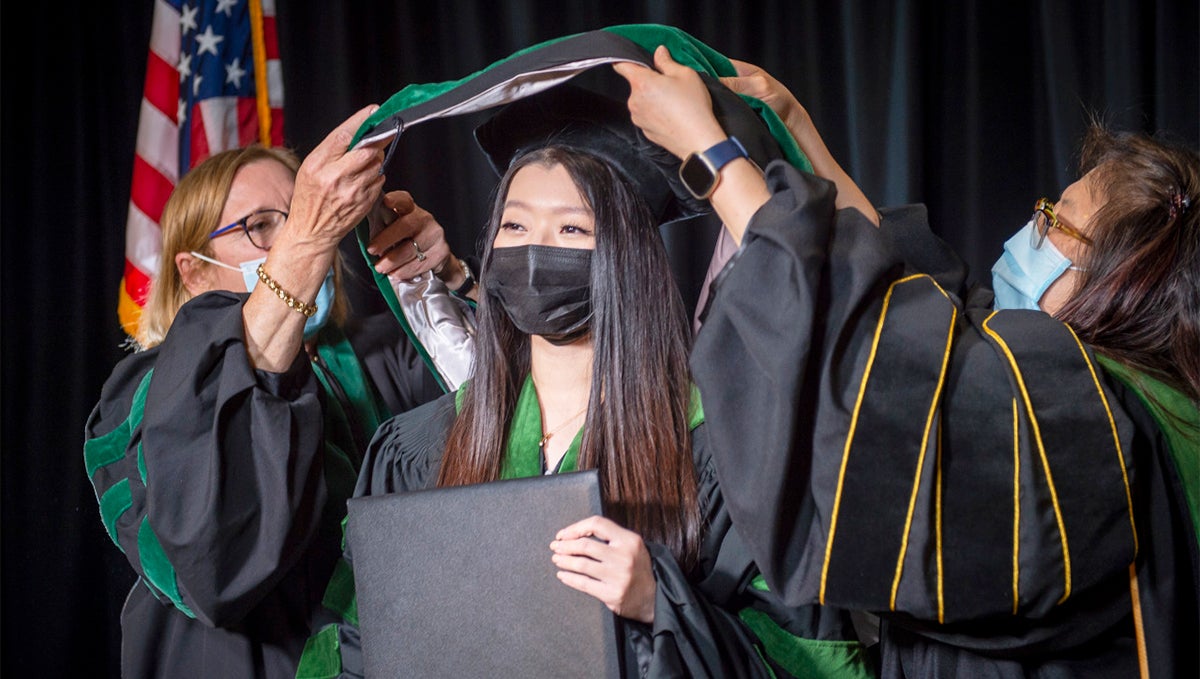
[189, 216]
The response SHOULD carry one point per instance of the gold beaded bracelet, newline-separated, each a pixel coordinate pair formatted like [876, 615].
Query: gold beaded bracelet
[307, 309]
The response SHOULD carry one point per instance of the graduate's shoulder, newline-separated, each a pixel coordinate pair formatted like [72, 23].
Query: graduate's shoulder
[119, 390]
[406, 451]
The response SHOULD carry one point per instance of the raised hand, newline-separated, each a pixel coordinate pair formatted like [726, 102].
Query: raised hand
[753, 81]
[671, 105]
[335, 186]
[412, 242]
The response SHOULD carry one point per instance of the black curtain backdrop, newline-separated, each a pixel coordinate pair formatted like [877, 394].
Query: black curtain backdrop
[973, 108]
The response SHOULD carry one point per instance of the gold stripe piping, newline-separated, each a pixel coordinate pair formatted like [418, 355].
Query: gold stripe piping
[1016, 553]
[862, 388]
[940, 579]
[1037, 434]
[912, 500]
[1139, 631]
[1112, 423]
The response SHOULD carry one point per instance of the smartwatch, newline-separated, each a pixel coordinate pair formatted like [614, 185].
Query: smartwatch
[700, 172]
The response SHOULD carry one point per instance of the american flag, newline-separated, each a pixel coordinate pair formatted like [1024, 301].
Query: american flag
[213, 82]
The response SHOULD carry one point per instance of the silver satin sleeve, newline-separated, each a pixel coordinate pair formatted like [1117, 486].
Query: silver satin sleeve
[441, 324]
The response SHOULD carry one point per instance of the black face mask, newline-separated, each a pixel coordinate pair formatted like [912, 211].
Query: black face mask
[545, 290]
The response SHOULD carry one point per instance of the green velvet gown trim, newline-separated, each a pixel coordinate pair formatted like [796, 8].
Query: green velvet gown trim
[1179, 420]
[523, 455]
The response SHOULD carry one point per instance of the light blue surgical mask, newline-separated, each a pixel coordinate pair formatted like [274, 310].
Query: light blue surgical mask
[1023, 273]
[324, 301]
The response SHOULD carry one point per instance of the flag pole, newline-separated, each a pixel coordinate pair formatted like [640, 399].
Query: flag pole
[262, 91]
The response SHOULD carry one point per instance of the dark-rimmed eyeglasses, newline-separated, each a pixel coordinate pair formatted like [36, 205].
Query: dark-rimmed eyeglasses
[259, 226]
[1044, 219]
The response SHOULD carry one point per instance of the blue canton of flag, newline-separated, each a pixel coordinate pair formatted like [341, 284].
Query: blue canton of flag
[216, 63]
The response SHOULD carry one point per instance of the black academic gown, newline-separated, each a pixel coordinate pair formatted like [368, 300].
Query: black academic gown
[887, 443]
[225, 486]
[706, 623]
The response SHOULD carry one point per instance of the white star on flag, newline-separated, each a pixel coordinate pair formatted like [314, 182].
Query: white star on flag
[234, 73]
[207, 41]
[187, 20]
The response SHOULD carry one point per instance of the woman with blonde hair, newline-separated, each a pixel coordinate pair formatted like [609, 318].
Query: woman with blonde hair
[222, 451]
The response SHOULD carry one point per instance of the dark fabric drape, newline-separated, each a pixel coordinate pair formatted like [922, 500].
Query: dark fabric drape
[973, 108]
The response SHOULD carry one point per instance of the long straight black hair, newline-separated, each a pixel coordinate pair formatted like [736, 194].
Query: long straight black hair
[636, 432]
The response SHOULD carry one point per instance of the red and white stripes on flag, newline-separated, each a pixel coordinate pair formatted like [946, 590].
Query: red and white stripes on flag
[213, 82]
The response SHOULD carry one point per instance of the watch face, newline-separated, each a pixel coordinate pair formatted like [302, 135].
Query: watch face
[698, 176]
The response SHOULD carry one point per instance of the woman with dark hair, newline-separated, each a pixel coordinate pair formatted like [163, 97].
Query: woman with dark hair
[1009, 478]
[637, 436]
[582, 344]
[1136, 299]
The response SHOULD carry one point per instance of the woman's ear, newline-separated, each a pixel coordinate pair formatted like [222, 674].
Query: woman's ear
[193, 273]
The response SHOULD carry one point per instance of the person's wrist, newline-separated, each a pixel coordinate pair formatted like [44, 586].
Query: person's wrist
[292, 253]
[796, 119]
[303, 242]
[464, 288]
[453, 273]
[707, 138]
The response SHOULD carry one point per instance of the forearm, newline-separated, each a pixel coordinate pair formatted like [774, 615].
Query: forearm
[741, 192]
[753, 81]
[275, 331]
[826, 166]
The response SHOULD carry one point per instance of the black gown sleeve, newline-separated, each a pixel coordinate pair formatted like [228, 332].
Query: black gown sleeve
[721, 620]
[220, 472]
[696, 630]
[886, 445]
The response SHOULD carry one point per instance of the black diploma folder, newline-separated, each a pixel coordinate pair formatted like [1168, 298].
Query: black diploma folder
[458, 582]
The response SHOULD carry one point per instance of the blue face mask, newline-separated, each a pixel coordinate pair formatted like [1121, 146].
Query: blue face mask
[1022, 274]
[324, 303]
[324, 299]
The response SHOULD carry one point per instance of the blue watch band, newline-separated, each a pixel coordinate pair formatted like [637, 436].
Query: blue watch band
[721, 153]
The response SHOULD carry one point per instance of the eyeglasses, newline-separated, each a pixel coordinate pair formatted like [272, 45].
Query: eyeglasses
[259, 226]
[1044, 219]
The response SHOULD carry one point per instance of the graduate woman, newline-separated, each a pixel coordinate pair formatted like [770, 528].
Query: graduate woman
[222, 451]
[581, 363]
[1009, 480]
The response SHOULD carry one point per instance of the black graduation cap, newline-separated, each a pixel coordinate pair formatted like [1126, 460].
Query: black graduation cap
[581, 118]
[585, 119]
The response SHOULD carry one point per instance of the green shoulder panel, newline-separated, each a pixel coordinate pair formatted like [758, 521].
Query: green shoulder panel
[107, 449]
[102, 451]
[1179, 420]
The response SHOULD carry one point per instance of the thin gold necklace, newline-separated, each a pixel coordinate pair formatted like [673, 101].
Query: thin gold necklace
[546, 436]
